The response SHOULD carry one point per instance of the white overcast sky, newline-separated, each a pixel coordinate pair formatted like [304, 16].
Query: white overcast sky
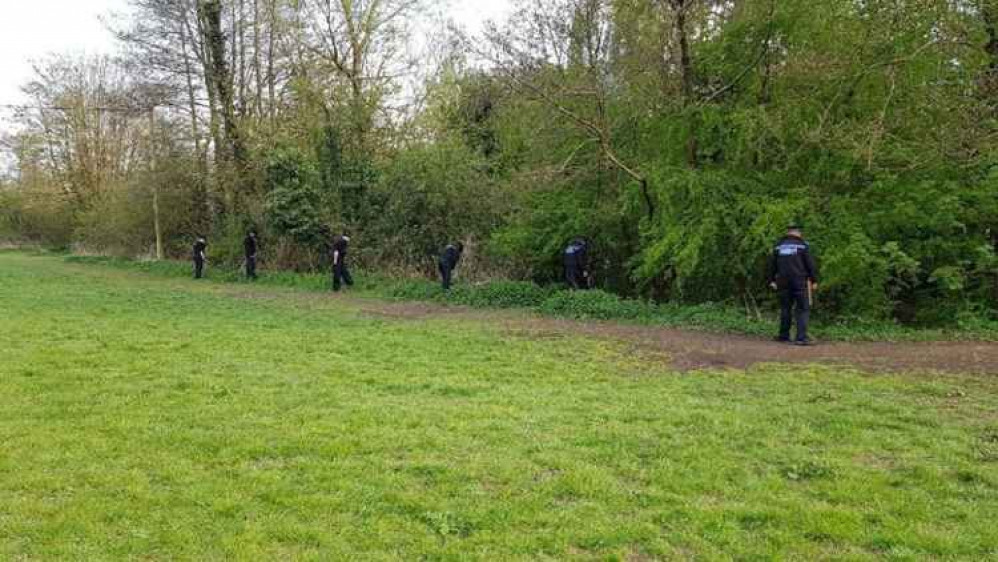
[31, 29]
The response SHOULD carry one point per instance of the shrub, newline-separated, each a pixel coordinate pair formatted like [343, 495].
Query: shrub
[714, 317]
[502, 294]
[292, 201]
[416, 290]
[596, 305]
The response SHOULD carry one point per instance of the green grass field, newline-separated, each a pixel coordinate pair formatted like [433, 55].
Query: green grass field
[159, 419]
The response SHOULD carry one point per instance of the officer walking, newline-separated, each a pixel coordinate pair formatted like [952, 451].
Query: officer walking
[793, 273]
[199, 256]
[448, 263]
[250, 248]
[341, 274]
[576, 261]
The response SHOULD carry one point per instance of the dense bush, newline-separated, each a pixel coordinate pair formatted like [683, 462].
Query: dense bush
[42, 217]
[595, 305]
[494, 294]
[292, 201]
[501, 294]
[428, 196]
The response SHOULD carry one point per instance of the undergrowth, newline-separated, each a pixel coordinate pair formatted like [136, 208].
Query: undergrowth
[581, 305]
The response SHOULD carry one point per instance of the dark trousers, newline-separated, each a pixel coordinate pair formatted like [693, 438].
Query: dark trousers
[251, 267]
[198, 268]
[575, 277]
[794, 298]
[446, 275]
[341, 275]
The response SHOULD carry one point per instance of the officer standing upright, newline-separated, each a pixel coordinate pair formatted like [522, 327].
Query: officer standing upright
[341, 274]
[200, 256]
[576, 261]
[794, 274]
[449, 259]
[250, 248]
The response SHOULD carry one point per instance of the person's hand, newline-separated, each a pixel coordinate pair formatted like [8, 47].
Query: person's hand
[773, 286]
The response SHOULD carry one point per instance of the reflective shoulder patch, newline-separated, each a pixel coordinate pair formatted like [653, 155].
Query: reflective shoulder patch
[790, 249]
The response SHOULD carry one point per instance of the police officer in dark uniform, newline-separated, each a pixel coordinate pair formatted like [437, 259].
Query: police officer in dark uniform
[794, 274]
[199, 256]
[341, 274]
[250, 248]
[448, 263]
[576, 261]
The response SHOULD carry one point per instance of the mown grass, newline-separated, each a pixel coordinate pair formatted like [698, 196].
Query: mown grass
[145, 417]
[588, 305]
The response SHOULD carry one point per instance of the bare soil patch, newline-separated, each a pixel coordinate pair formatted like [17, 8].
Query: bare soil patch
[693, 350]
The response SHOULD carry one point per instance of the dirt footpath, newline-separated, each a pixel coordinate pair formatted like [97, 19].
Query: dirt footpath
[691, 350]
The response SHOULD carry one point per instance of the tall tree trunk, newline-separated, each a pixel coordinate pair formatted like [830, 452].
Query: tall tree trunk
[211, 13]
[233, 37]
[680, 9]
[186, 47]
[358, 50]
[157, 229]
[271, 75]
[685, 60]
[241, 27]
[204, 53]
[989, 13]
[257, 70]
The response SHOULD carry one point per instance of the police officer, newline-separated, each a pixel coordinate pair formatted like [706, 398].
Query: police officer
[448, 263]
[199, 256]
[250, 248]
[576, 261]
[341, 274]
[793, 273]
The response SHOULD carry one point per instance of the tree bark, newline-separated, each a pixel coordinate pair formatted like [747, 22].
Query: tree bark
[186, 47]
[271, 76]
[157, 229]
[680, 9]
[989, 84]
[257, 70]
[211, 13]
[241, 33]
[204, 54]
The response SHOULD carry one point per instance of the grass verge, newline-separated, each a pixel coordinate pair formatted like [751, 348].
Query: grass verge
[150, 418]
[585, 305]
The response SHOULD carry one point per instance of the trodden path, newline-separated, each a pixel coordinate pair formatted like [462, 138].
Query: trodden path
[693, 350]
[685, 350]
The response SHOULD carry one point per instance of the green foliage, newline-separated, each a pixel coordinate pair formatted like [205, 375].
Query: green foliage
[428, 196]
[501, 294]
[40, 217]
[494, 294]
[597, 305]
[714, 234]
[293, 202]
[871, 122]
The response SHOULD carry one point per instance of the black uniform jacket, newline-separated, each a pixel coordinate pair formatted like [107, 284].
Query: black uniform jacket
[792, 261]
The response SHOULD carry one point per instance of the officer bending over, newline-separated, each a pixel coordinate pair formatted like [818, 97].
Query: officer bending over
[576, 260]
[449, 259]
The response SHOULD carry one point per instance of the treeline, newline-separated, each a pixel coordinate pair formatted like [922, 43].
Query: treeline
[680, 136]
